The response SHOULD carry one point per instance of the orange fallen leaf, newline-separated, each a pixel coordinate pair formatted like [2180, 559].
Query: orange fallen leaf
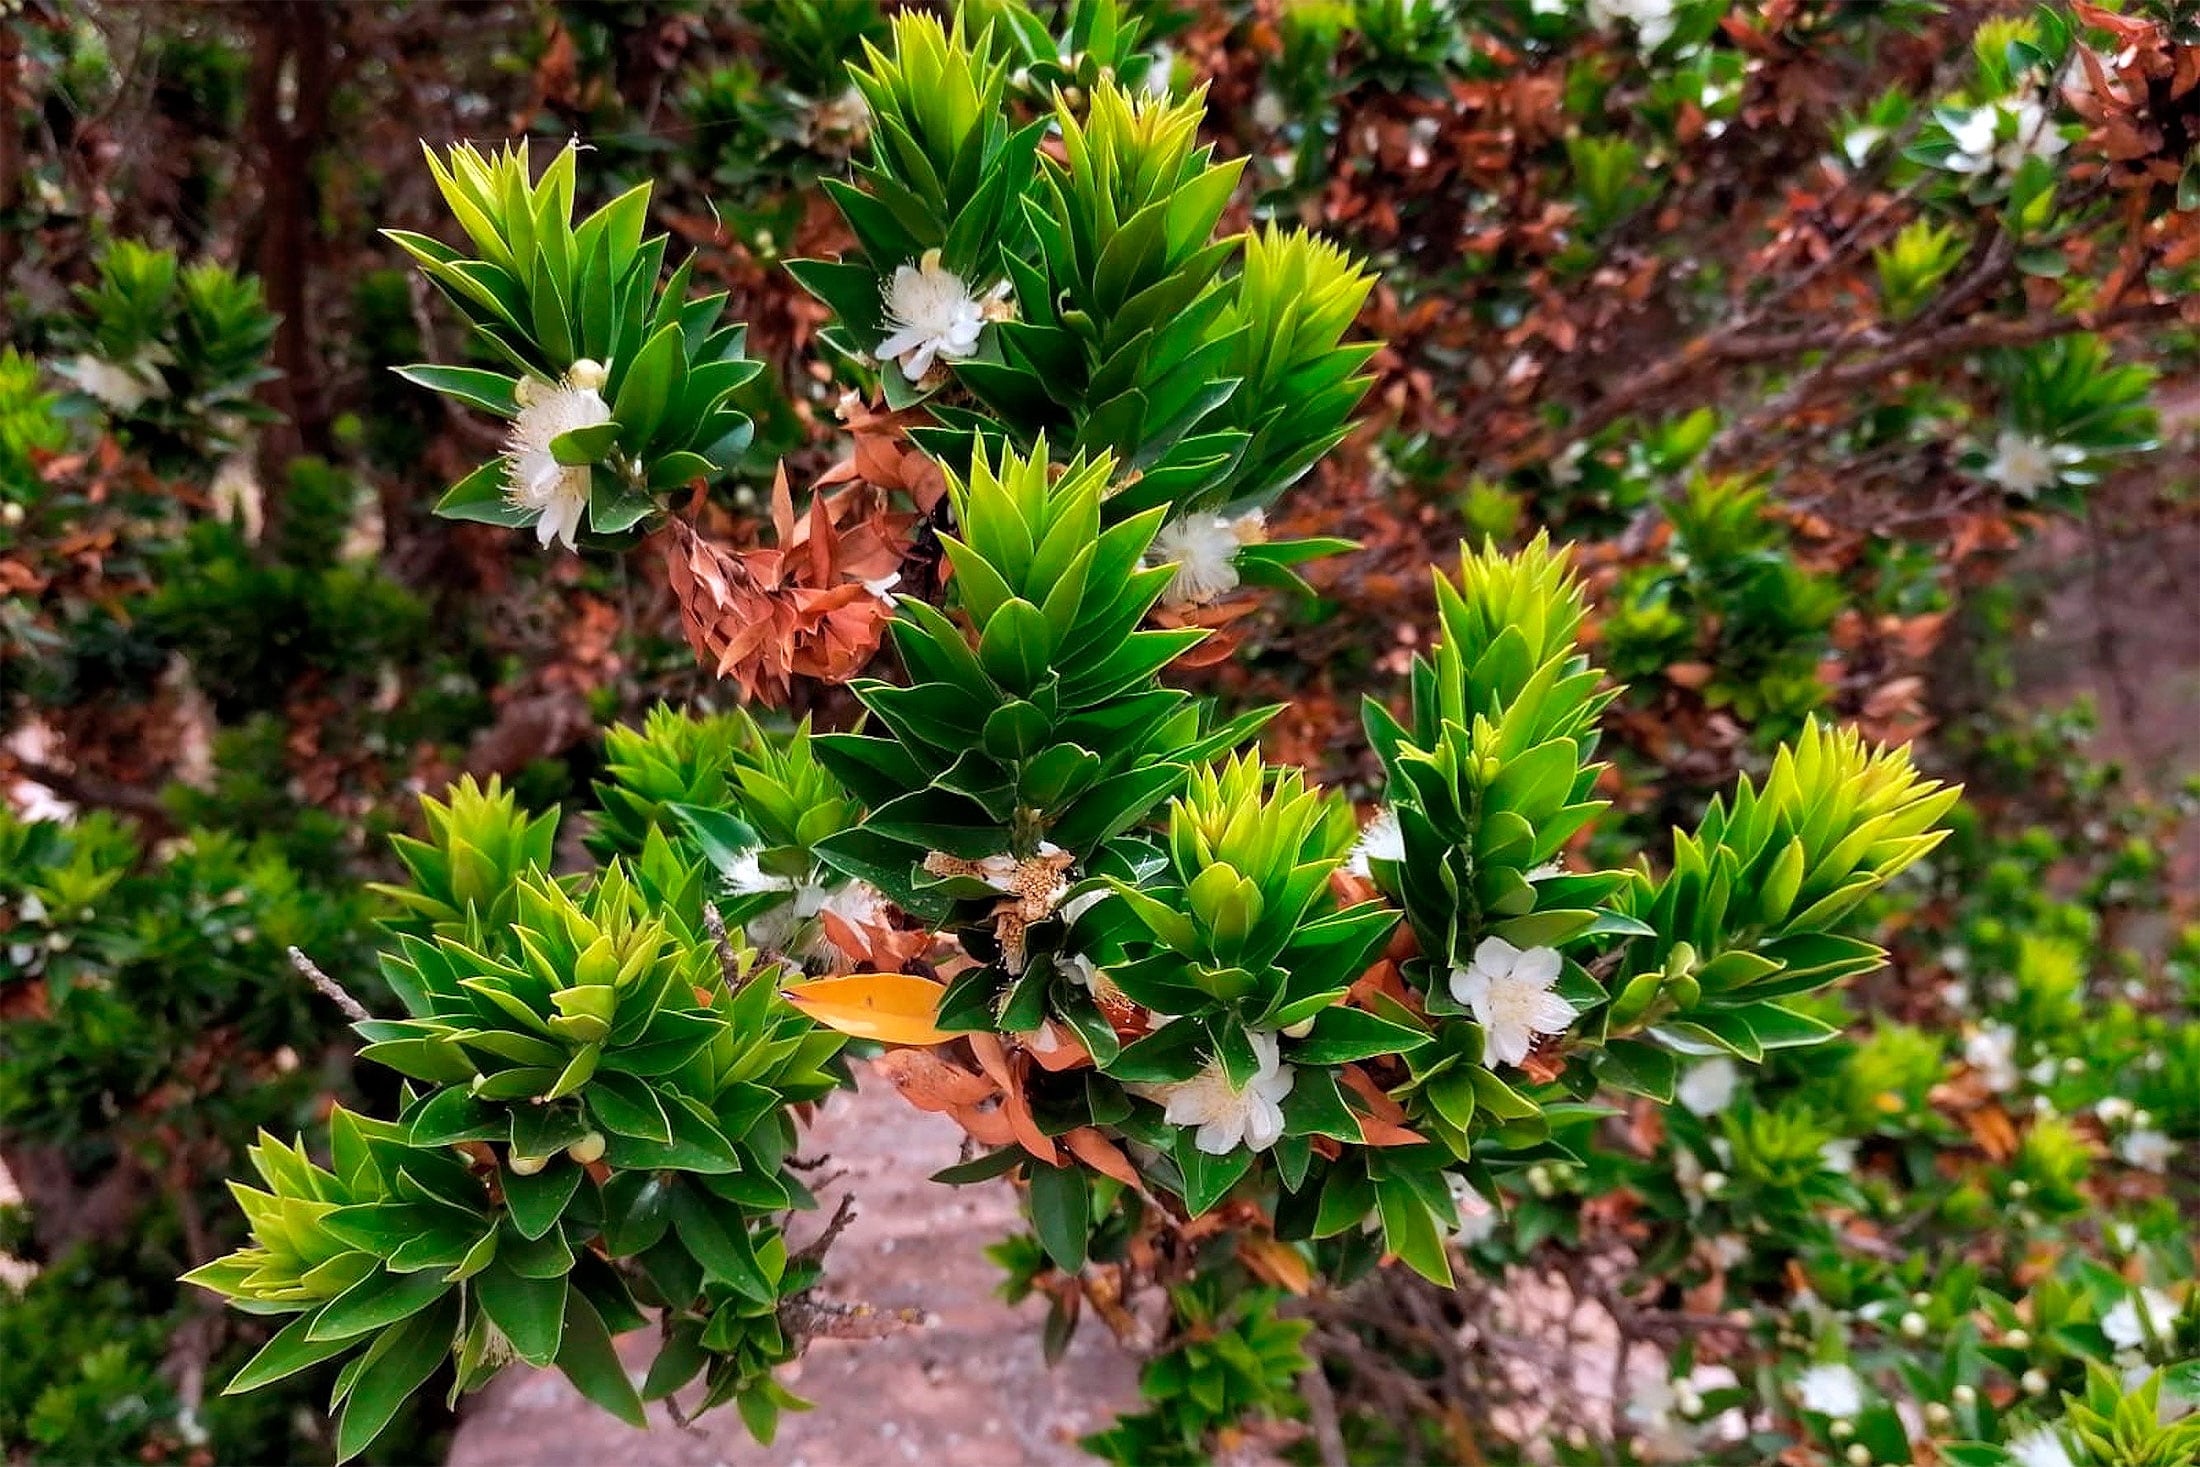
[892, 1008]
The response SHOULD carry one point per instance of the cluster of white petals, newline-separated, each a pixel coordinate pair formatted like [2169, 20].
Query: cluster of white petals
[557, 494]
[1226, 1115]
[1380, 840]
[1652, 19]
[1708, 1088]
[1999, 136]
[124, 389]
[1204, 549]
[931, 315]
[1830, 1390]
[2024, 464]
[1509, 992]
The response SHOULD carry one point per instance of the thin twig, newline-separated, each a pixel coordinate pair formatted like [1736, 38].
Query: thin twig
[1321, 1410]
[729, 962]
[843, 1215]
[329, 987]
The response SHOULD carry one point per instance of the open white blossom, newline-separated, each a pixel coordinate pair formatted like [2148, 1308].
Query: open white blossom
[2040, 1447]
[1380, 840]
[1226, 1116]
[1478, 1216]
[1204, 549]
[1991, 1050]
[1830, 1390]
[1839, 1155]
[2147, 1149]
[1510, 994]
[534, 479]
[1708, 1088]
[1652, 19]
[932, 315]
[2023, 464]
[857, 903]
[125, 389]
[2122, 1324]
[1999, 136]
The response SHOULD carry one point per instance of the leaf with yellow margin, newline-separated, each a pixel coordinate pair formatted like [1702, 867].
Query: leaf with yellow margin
[891, 1008]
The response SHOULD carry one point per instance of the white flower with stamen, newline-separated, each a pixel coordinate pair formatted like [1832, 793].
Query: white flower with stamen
[124, 389]
[2023, 464]
[534, 479]
[1830, 1390]
[2040, 1447]
[1380, 840]
[1204, 549]
[2123, 1326]
[932, 315]
[2146, 1149]
[1652, 19]
[1991, 1051]
[1708, 1088]
[1509, 992]
[1227, 1116]
[1999, 136]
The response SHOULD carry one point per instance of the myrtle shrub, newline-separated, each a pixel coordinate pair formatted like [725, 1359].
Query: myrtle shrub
[1723, 353]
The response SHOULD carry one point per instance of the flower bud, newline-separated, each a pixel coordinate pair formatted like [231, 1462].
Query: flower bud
[1687, 1401]
[1714, 1183]
[1965, 1396]
[1842, 1429]
[1860, 1454]
[2034, 1383]
[589, 1148]
[1913, 1325]
[1937, 1416]
[527, 1166]
[2017, 1339]
[588, 375]
[2020, 1188]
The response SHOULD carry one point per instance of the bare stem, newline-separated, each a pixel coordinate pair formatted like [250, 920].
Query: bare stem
[729, 962]
[329, 987]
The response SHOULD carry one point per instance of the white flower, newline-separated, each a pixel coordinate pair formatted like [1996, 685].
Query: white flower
[2148, 1150]
[1510, 994]
[2023, 465]
[1830, 1390]
[1708, 1088]
[857, 903]
[124, 389]
[2122, 1325]
[1204, 548]
[1858, 143]
[2040, 1447]
[1380, 840]
[931, 314]
[1478, 1216]
[534, 479]
[1158, 71]
[1081, 970]
[1652, 19]
[1226, 1116]
[1991, 1049]
[1839, 1155]
[1653, 1409]
[1984, 144]
[749, 877]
